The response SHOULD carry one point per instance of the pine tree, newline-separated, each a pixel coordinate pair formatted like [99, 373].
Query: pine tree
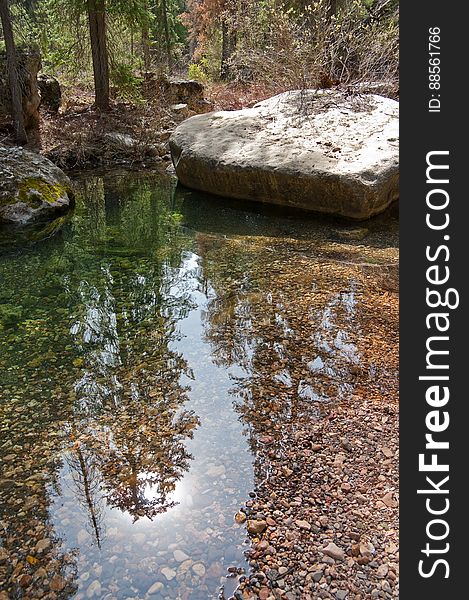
[12, 70]
[97, 24]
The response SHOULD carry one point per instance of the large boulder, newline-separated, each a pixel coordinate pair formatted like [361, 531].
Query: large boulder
[31, 187]
[323, 151]
[29, 63]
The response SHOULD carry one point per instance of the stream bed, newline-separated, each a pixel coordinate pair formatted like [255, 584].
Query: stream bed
[146, 343]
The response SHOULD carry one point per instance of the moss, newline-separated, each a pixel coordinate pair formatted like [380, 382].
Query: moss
[33, 191]
[10, 315]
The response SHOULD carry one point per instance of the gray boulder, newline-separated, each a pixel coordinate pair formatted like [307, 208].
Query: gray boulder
[323, 151]
[31, 187]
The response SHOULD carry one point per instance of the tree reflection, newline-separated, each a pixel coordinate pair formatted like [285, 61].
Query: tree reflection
[92, 385]
[129, 400]
[297, 325]
[87, 480]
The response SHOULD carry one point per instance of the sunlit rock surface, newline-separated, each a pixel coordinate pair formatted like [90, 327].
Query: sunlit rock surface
[322, 151]
[31, 187]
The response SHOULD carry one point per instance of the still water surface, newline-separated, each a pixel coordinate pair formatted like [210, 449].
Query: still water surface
[144, 345]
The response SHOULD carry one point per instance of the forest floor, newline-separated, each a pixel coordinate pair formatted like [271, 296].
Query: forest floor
[130, 134]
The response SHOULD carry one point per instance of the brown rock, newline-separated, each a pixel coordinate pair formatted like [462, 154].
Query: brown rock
[334, 551]
[389, 500]
[255, 527]
[57, 583]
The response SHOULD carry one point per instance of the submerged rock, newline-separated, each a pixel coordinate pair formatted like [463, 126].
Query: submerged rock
[322, 151]
[31, 187]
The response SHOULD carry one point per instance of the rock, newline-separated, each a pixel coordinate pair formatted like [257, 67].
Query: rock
[317, 576]
[315, 150]
[185, 91]
[264, 593]
[31, 187]
[181, 110]
[155, 588]
[29, 63]
[216, 471]
[323, 521]
[185, 566]
[389, 500]
[388, 453]
[57, 583]
[382, 571]
[180, 556]
[199, 569]
[176, 91]
[120, 140]
[82, 536]
[341, 594]
[94, 590]
[168, 573]
[240, 517]
[256, 527]
[42, 545]
[51, 93]
[303, 524]
[334, 552]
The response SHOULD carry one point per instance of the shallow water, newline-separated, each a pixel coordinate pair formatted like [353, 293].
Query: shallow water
[145, 345]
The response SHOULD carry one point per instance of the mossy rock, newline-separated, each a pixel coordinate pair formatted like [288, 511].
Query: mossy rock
[31, 187]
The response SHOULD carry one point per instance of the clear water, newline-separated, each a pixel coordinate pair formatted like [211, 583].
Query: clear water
[146, 342]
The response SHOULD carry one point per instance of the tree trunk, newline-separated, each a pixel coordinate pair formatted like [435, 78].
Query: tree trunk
[146, 48]
[228, 46]
[97, 24]
[167, 37]
[12, 70]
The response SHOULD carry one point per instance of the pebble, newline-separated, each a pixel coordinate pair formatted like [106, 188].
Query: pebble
[389, 500]
[155, 588]
[57, 583]
[42, 545]
[334, 551]
[168, 573]
[240, 517]
[94, 589]
[199, 569]
[388, 453]
[256, 527]
[82, 536]
[180, 556]
[216, 471]
[382, 571]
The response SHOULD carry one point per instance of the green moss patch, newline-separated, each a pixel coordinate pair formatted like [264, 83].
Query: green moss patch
[33, 191]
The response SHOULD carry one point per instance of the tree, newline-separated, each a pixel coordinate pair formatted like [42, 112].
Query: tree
[97, 24]
[12, 70]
